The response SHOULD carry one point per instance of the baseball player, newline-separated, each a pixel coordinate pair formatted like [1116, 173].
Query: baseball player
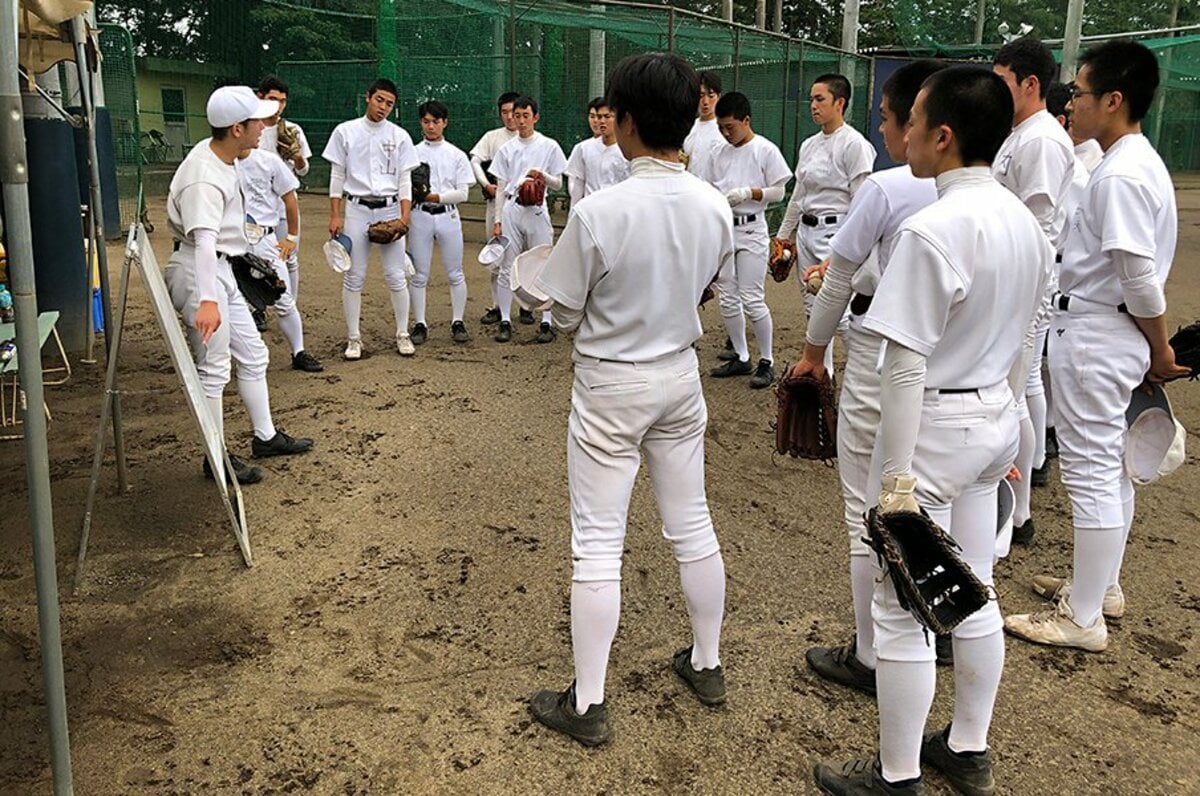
[885, 200]
[208, 221]
[830, 166]
[371, 165]
[266, 181]
[272, 88]
[705, 138]
[481, 161]
[751, 173]
[597, 162]
[1036, 163]
[528, 154]
[954, 308]
[1109, 334]
[637, 390]
[436, 218]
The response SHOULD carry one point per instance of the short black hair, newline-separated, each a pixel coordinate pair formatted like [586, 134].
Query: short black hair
[735, 104]
[711, 81]
[839, 87]
[973, 102]
[272, 83]
[1028, 57]
[1057, 97]
[902, 86]
[526, 102]
[434, 108]
[1126, 66]
[383, 84]
[660, 91]
[597, 103]
[507, 97]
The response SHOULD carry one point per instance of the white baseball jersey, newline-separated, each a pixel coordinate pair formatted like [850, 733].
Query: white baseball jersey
[596, 164]
[449, 169]
[205, 194]
[701, 145]
[374, 155]
[1036, 163]
[487, 146]
[828, 168]
[1090, 153]
[1129, 206]
[880, 206]
[270, 141]
[265, 179]
[1087, 157]
[962, 286]
[518, 156]
[639, 292]
[757, 163]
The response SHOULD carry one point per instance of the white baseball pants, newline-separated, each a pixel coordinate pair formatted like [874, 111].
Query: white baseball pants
[812, 247]
[525, 227]
[293, 260]
[285, 306]
[741, 291]
[358, 218]
[446, 230]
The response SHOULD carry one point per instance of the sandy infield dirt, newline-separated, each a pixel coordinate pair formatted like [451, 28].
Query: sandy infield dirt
[412, 572]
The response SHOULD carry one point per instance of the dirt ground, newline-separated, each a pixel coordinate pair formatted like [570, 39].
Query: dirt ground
[411, 581]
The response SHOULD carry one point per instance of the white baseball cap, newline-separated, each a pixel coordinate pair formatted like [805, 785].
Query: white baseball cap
[229, 105]
[1154, 444]
[525, 270]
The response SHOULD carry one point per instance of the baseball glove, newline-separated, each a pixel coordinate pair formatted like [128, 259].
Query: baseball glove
[287, 142]
[387, 231]
[1186, 343]
[532, 190]
[420, 183]
[781, 259]
[257, 280]
[931, 581]
[806, 417]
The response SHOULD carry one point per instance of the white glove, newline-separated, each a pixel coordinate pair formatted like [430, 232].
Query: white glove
[739, 195]
[897, 494]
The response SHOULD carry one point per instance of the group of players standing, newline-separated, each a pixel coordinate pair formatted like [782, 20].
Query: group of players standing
[944, 275]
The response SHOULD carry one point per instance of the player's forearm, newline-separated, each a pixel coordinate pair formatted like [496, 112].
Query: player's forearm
[206, 263]
[771, 195]
[302, 169]
[575, 190]
[831, 301]
[1043, 209]
[901, 396]
[1155, 332]
[457, 196]
[337, 182]
[553, 181]
[477, 169]
[1139, 285]
[791, 218]
[404, 189]
[291, 210]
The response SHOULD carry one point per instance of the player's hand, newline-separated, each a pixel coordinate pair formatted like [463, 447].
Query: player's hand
[1163, 367]
[811, 362]
[299, 162]
[432, 199]
[406, 220]
[497, 230]
[208, 319]
[286, 247]
[819, 269]
[335, 226]
[1013, 474]
[489, 191]
[535, 173]
[739, 195]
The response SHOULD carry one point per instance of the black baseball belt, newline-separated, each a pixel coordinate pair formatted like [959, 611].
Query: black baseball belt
[434, 210]
[809, 220]
[373, 202]
[741, 221]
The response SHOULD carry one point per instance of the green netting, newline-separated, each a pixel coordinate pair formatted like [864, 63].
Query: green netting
[121, 100]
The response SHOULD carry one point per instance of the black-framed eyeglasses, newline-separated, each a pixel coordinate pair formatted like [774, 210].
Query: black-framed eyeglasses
[1077, 92]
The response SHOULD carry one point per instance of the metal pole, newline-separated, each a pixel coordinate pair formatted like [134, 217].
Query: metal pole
[1070, 50]
[597, 47]
[671, 29]
[980, 14]
[778, 22]
[850, 26]
[760, 14]
[512, 45]
[787, 91]
[14, 174]
[727, 10]
[385, 33]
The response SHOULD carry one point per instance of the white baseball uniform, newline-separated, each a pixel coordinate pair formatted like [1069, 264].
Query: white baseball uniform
[594, 165]
[885, 200]
[525, 227]
[637, 393]
[269, 141]
[377, 159]
[955, 306]
[265, 180]
[757, 163]
[207, 218]
[1098, 355]
[701, 146]
[450, 177]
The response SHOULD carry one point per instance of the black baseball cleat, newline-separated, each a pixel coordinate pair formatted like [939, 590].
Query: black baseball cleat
[546, 333]
[302, 360]
[734, 367]
[1040, 476]
[764, 375]
[525, 317]
[969, 772]
[727, 353]
[1023, 533]
[245, 473]
[260, 319]
[861, 778]
[841, 665]
[419, 334]
[1051, 443]
[556, 710]
[279, 445]
[491, 316]
[708, 684]
[458, 332]
[504, 334]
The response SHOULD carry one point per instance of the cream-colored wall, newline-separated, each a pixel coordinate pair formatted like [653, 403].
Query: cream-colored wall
[196, 89]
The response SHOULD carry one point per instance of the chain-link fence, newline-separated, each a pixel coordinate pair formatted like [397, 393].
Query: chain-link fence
[120, 98]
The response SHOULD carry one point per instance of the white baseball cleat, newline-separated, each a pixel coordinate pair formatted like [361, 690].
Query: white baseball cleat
[1057, 628]
[1054, 589]
[404, 345]
[353, 348]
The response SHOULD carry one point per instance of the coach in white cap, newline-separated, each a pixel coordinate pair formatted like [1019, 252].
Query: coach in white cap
[206, 217]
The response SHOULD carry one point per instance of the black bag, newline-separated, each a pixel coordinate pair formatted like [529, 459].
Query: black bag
[257, 280]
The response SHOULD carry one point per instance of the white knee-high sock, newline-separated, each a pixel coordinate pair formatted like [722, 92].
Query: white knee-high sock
[703, 584]
[352, 308]
[216, 410]
[1024, 463]
[735, 327]
[978, 665]
[1097, 557]
[905, 696]
[495, 290]
[458, 301]
[258, 405]
[504, 299]
[764, 332]
[547, 317]
[1037, 416]
[1127, 511]
[400, 309]
[595, 613]
[418, 303]
[293, 330]
[294, 281]
[862, 586]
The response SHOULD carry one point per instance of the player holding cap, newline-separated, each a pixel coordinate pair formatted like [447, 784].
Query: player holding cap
[637, 386]
[886, 199]
[298, 159]
[206, 217]
[437, 218]
[751, 173]
[481, 161]
[597, 162]
[1109, 334]
[955, 307]
[372, 161]
[266, 182]
[704, 138]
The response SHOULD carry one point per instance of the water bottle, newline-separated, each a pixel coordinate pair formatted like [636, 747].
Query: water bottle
[7, 350]
[6, 305]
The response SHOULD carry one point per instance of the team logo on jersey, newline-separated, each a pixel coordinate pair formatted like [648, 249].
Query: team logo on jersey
[389, 148]
[1005, 162]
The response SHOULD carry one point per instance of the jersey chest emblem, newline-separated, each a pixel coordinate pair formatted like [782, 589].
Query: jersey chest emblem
[389, 152]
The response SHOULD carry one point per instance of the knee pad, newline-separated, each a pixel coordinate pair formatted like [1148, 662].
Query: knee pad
[586, 570]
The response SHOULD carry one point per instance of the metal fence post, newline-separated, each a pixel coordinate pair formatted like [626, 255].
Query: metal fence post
[512, 43]
[787, 88]
[671, 29]
[737, 58]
